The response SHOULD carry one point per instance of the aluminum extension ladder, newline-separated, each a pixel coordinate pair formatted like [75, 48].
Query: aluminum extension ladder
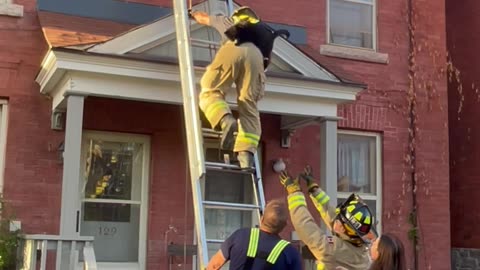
[195, 142]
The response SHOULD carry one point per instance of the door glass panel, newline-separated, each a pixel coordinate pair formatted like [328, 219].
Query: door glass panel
[112, 198]
[115, 228]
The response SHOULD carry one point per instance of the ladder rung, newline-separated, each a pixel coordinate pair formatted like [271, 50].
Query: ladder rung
[204, 42]
[216, 166]
[221, 165]
[207, 132]
[215, 241]
[230, 206]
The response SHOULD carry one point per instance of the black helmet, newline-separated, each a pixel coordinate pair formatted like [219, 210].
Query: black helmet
[356, 217]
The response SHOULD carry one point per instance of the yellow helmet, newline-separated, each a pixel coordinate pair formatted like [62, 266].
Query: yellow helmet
[245, 14]
[356, 217]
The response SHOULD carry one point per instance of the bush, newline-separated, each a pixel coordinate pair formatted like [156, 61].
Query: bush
[9, 240]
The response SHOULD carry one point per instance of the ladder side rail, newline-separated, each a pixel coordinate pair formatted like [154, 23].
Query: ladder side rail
[196, 157]
[258, 184]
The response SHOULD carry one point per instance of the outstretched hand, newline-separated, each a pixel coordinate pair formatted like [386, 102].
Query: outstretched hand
[291, 185]
[307, 175]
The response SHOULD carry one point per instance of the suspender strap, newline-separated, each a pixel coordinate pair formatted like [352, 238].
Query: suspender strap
[253, 247]
[276, 251]
[253, 244]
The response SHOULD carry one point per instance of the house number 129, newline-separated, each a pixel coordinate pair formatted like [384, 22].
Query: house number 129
[107, 231]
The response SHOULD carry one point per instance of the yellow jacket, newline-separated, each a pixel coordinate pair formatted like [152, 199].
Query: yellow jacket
[330, 251]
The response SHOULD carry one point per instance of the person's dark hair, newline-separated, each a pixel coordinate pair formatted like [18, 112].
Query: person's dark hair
[275, 216]
[391, 255]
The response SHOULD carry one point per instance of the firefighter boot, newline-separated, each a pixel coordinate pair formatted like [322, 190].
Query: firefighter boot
[245, 159]
[229, 126]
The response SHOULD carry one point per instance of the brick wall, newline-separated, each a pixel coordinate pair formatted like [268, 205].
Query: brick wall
[32, 174]
[463, 111]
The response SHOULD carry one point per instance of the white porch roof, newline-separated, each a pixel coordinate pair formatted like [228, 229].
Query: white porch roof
[141, 65]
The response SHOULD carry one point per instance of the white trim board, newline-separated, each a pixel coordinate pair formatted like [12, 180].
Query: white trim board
[93, 75]
[3, 139]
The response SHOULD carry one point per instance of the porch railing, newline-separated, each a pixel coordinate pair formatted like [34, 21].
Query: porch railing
[71, 253]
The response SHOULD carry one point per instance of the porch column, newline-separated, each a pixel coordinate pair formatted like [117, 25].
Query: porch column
[328, 157]
[71, 167]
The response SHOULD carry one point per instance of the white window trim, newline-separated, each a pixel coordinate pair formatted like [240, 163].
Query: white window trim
[374, 25]
[379, 196]
[8, 8]
[143, 222]
[3, 140]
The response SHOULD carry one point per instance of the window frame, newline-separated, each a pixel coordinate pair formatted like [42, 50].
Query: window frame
[3, 139]
[374, 25]
[378, 198]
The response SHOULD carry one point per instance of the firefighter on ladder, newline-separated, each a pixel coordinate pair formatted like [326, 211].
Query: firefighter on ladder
[350, 223]
[244, 55]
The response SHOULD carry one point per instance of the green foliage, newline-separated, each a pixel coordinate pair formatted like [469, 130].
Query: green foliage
[9, 240]
[413, 231]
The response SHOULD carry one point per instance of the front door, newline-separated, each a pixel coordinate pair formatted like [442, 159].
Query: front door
[114, 197]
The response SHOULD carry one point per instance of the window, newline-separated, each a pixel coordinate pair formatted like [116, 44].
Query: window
[231, 187]
[3, 139]
[359, 168]
[352, 23]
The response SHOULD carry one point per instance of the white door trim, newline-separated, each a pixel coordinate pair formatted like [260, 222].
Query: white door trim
[142, 244]
[3, 139]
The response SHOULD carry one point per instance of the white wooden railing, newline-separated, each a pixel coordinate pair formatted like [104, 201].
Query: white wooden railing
[72, 253]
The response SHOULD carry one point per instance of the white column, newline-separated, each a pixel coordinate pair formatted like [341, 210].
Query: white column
[328, 157]
[70, 213]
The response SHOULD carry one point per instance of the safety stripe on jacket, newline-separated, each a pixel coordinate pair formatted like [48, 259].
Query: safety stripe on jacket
[322, 198]
[296, 200]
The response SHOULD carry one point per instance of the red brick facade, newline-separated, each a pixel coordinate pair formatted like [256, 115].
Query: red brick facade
[464, 129]
[33, 176]
[32, 173]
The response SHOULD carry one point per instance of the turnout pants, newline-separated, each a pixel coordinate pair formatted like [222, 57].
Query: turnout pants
[242, 65]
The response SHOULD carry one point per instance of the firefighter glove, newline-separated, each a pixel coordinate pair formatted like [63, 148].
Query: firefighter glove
[307, 175]
[291, 185]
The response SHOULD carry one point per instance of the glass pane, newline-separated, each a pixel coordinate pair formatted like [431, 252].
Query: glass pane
[115, 228]
[357, 165]
[113, 170]
[205, 53]
[229, 187]
[351, 24]
[220, 224]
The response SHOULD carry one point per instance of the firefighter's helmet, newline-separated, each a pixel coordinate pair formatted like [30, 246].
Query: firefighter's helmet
[245, 15]
[356, 217]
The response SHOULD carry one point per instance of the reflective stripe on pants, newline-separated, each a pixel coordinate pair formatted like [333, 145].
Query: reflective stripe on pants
[242, 65]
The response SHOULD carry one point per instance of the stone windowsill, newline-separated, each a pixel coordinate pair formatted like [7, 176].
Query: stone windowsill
[354, 53]
[11, 10]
